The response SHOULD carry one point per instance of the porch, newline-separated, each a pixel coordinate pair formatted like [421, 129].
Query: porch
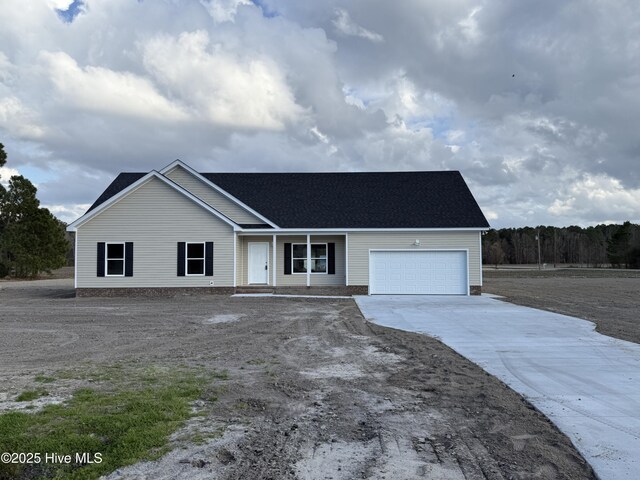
[266, 262]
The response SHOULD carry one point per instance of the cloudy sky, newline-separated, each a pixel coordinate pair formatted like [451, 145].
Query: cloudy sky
[536, 102]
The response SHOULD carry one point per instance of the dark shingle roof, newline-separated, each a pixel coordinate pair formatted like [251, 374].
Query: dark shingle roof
[348, 200]
[122, 181]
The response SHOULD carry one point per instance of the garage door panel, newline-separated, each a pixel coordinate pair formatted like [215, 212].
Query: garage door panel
[418, 272]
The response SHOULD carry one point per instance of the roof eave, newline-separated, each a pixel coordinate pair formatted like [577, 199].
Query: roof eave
[378, 229]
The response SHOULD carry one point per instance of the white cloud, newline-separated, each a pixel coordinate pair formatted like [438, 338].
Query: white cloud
[491, 215]
[469, 26]
[68, 213]
[106, 91]
[353, 100]
[332, 149]
[6, 68]
[598, 197]
[245, 91]
[6, 173]
[19, 120]
[346, 26]
[223, 10]
[59, 4]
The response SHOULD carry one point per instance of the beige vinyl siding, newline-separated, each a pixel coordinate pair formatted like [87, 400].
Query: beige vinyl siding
[317, 279]
[155, 218]
[361, 242]
[209, 195]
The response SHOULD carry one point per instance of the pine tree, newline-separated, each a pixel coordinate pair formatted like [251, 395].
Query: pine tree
[3, 155]
[619, 246]
[32, 240]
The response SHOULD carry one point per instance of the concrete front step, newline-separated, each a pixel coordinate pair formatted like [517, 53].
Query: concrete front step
[254, 289]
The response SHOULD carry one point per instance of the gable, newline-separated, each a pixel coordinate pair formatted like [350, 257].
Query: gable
[209, 195]
[153, 203]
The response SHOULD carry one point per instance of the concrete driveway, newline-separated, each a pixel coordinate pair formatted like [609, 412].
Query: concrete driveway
[586, 383]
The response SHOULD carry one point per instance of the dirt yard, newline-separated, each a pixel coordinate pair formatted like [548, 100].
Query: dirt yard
[313, 390]
[610, 298]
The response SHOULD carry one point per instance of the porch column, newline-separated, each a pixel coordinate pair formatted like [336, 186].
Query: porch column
[235, 259]
[346, 259]
[273, 262]
[308, 260]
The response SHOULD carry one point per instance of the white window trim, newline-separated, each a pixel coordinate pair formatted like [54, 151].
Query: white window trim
[106, 259]
[326, 249]
[187, 258]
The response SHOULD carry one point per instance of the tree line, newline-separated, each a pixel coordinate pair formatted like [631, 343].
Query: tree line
[599, 246]
[32, 239]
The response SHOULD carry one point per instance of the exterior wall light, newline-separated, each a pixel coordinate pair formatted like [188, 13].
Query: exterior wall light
[417, 242]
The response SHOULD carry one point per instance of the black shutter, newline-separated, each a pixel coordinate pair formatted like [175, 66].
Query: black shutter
[128, 259]
[331, 258]
[287, 259]
[208, 259]
[181, 254]
[100, 264]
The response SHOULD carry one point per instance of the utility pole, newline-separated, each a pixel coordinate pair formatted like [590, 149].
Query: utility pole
[538, 239]
[554, 247]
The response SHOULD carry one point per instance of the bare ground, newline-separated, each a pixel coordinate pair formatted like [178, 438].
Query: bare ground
[314, 391]
[610, 298]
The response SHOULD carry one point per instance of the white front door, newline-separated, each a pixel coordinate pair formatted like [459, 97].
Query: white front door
[259, 262]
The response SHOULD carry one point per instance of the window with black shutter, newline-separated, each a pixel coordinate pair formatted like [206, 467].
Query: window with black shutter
[115, 259]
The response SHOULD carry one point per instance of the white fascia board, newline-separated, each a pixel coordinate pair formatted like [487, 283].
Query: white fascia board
[304, 231]
[137, 184]
[180, 163]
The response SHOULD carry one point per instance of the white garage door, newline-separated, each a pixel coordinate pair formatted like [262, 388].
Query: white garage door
[418, 272]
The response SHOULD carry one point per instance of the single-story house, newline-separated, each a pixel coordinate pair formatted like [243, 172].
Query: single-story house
[366, 233]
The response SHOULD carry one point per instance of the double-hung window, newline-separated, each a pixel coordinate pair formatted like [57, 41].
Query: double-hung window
[114, 260]
[318, 257]
[194, 258]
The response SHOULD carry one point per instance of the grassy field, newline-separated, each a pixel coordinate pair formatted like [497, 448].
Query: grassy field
[125, 416]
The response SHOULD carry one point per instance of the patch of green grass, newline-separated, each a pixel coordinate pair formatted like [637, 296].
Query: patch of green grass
[241, 405]
[29, 395]
[44, 379]
[126, 419]
[256, 361]
[201, 438]
[221, 375]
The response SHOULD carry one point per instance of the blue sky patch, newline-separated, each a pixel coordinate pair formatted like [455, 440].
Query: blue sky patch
[439, 126]
[72, 12]
[266, 10]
